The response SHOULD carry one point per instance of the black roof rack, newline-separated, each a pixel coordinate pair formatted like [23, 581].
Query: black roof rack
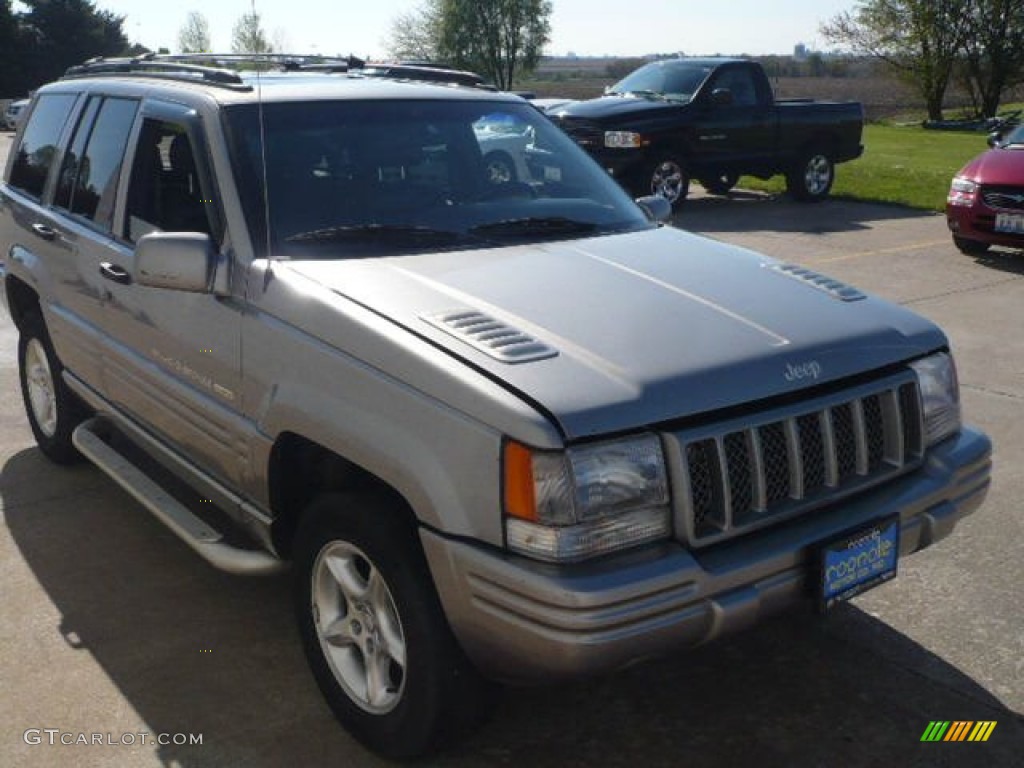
[220, 69]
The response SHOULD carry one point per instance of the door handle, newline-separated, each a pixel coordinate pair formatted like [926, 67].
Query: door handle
[44, 231]
[115, 273]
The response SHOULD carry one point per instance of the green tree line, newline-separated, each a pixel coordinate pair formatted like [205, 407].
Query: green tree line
[934, 43]
[38, 43]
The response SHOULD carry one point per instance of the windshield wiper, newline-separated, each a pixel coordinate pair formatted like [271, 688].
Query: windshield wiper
[534, 225]
[384, 233]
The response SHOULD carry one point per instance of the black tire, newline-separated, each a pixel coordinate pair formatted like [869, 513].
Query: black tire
[810, 179]
[360, 573]
[53, 410]
[970, 247]
[721, 183]
[666, 177]
[499, 168]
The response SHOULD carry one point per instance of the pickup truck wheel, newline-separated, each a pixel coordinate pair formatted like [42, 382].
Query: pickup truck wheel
[721, 183]
[53, 410]
[374, 632]
[811, 178]
[668, 178]
[970, 247]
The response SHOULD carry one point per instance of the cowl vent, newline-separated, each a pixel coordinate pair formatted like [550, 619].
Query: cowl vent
[493, 337]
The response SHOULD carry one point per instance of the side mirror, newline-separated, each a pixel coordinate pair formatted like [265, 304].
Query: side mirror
[177, 261]
[721, 97]
[656, 208]
[995, 138]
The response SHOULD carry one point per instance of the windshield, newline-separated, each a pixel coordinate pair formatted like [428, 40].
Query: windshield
[352, 179]
[1014, 138]
[671, 79]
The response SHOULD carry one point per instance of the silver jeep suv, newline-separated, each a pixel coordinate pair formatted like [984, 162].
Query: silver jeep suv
[506, 426]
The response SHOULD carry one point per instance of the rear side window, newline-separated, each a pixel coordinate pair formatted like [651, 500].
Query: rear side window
[38, 148]
[88, 178]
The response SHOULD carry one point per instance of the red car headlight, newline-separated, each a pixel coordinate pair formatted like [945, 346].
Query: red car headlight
[962, 192]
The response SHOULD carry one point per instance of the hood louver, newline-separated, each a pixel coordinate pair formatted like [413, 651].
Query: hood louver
[492, 337]
[833, 288]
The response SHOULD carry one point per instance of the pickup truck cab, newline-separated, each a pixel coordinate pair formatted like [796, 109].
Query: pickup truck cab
[503, 426]
[712, 120]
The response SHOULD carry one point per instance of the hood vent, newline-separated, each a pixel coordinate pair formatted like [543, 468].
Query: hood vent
[833, 288]
[492, 337]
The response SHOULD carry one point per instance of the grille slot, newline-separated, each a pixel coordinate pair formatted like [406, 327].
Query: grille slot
[790, 462]
[492, 337]
[1004, 198]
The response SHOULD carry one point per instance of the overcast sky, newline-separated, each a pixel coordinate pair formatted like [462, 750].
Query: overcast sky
[585, 27]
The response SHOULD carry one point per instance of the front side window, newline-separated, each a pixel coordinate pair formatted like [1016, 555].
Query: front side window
[38, 148]
[352, 179]
[88, 178]
[165, 194]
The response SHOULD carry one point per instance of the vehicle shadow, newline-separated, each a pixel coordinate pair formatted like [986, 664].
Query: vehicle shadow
[750, 211]
[1003, 260]
[194, 650]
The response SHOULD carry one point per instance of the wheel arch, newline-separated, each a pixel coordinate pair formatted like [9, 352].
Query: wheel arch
[21, 298]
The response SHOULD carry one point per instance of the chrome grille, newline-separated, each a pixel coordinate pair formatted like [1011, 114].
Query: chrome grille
[739, 476]
[1004, 198]
[586, 133]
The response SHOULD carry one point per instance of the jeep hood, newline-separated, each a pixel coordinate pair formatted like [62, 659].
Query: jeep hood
[635, 329]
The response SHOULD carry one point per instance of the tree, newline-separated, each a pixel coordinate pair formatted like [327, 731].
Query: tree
[993, 58]
[12, 80]
[248, 35]
[61, 33]
[194, 36]
[921, 39]
[416, 35]
[495, 38]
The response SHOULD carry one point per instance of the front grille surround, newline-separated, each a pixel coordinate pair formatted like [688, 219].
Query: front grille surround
[740, 475]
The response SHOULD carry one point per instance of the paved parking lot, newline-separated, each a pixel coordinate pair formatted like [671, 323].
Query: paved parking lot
[112, 626]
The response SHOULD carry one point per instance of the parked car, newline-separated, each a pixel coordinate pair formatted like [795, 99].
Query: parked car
[985, 206]
[518, 430]
[13, 113]
[712, 120]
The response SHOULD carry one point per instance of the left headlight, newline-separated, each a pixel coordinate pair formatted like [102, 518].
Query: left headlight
[940, 396]
[585, 501]
[962, 192]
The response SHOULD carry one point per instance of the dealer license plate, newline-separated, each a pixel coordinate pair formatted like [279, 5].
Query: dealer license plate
[1010, 222]
[859, 561]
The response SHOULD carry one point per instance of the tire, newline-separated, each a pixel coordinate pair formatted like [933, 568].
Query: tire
[810, 179]
[499, 168]
[970, 247]
[720, 184]
[53, 410]
[363, 593]
[666, 177]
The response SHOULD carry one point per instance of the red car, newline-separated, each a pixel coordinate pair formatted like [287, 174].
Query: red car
[985, 205]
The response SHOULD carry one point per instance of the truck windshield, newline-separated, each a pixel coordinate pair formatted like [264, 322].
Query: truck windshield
[674, 80]
[347, 179]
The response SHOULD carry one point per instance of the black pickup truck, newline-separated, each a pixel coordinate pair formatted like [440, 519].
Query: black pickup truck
[712, 120]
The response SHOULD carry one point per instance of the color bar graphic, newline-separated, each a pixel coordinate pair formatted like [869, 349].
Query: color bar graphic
[958, 730]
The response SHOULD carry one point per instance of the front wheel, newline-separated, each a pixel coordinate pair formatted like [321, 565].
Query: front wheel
[374, 632]
[53, 410]
[667, 177]
[810, 180]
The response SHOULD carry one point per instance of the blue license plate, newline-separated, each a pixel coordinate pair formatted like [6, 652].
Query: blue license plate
[859, 561]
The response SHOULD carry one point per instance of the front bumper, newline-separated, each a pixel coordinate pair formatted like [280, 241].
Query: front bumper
[523, 621]
[978, 223]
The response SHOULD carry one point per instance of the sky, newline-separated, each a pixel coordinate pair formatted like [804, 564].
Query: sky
[583, 27]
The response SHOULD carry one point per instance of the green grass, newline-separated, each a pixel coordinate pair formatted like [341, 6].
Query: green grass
[905, 165]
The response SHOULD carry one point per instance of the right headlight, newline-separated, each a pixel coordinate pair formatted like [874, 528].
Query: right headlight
[585, 501]
[940, 396]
